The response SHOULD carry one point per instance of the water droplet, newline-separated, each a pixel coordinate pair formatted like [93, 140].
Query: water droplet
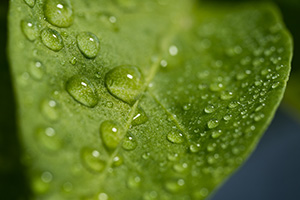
[49, 109]
[129, 142]
[227, 117]
[52, 39]
[216, 134]
[175, 137]
[109, 104]
[59, 12]
[187, 107]
[275, 85]
[194, 148]
[92, 160]
[226, 95]
[139, 117]
[125, 83]
[233, 104]
[36, 70]
[163, 63]
[215, 87]
[30, 3]
[41, 182]
[67, 187]
[209, 109]
[180, 167]
[146, 155]
[30, 29]
[88, 44]
[117, 161]
[173, 157]
[47, 138]
[173, 50]
[213, 123]
[211, 147]
[111, 134]
[134, 182]
[82, 90]
[102, 196]
[174, 186]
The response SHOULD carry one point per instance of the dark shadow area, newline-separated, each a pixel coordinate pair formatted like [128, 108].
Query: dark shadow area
[272, 171]
[13, 184]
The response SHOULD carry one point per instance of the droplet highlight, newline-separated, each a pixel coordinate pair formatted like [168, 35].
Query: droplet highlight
[175, 137]
[52, 39]
[139, 117]
[129, 143]
[111, 134]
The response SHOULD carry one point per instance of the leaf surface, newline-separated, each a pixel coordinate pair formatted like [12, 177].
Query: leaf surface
[142, 99]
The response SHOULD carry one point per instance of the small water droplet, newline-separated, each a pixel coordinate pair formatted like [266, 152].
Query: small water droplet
[52, 39]
[117, 161]
[49, 109]
[174, 186]
[209, 109]
[226, 95]
[125, 83]
[216, 134]
[129, 142]
[175, 137]
[146, 155]
[139, 117]
[233, 104]
[67, 187]
[194, 148]
[173, 156]
[111, 134]
[37, 70]
[30, 29]
[163, 63]
[30, 3]
[187, 107]
[275, 85]
[134, 182]
[41, 182]
[92, 160]
[227, 117]
[88, 44]
[82, 90]
[59, 13]
[48, 139]
[173, 50]
[102, 196]
[213, 123]
[215, 87]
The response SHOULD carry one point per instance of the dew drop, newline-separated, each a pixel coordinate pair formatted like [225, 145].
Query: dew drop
[125, 83]
[117, 161]
[111, 134]
[134, 182]
[226, 95]
[215, 87]
[41, 182]
[275, 85]
[175, 137]
[52, 39]
[213, 123]
[209, 109]
[187, 107]
[102, 196]
[139, 117]
[82, 90]
[30, 29]
[59, 13]
[37, 70]
[146, 155]
[233, 104]
[216, 134]
[194, 148]
[92, 160]
[88, 44]
[173, 50]
[173, 157]
[227, 117]
[47, 138]
[49, 109]
[30, 3]
[129, 143]
[67, 187]
[174, 186]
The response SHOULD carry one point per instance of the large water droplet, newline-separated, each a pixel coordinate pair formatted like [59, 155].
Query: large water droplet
[125, 83]
[129, 142]
[111, 134]
[47, 138]
[82, 90]
[175, 137]
[59, 12]
[30, 29]
[36, 70]
[92, 160]
[49, 109]
[88, 44]
[139, 117]
[30, 3]
[52, 39]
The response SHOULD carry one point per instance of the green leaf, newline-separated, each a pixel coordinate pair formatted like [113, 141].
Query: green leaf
[143, 99]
